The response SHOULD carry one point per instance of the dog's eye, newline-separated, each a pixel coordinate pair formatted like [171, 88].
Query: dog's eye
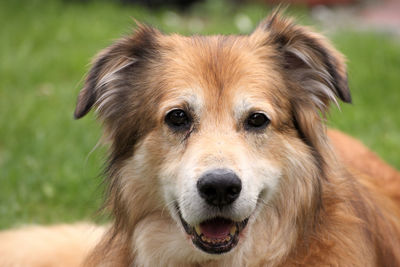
[177, 119]
[257, 121]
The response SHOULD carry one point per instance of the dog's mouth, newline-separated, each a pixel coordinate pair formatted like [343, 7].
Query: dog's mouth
[215, 236]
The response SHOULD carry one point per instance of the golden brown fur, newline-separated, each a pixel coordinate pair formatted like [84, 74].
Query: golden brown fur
[361, 160]
[304, 207]
[55, 246]
[329, 218]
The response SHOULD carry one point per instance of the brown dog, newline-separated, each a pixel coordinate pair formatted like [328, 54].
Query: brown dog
[217, 142]
[219, 157]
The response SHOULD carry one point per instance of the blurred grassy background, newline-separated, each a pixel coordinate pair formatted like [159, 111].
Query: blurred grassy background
[47, 171]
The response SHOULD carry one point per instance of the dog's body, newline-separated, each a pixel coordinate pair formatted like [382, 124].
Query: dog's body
[219, 157]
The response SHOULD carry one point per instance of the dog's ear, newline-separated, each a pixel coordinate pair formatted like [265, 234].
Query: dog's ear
[314, 71]
[309, 59]
[103, 80]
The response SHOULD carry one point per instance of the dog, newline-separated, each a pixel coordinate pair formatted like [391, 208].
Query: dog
[219, 156]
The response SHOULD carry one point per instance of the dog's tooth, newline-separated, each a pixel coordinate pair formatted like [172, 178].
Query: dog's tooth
[233, 230]
[197, 229]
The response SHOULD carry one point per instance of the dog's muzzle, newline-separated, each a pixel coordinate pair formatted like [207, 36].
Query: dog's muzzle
[218, 188]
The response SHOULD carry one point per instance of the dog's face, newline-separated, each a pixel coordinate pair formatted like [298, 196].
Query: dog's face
[216, 128]
[220, 134]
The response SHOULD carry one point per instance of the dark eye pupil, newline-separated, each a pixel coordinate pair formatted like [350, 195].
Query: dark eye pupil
[177, 118]
[257, 120]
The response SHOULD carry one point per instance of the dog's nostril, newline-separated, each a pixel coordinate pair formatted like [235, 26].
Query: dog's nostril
[209, 191]
[219, 187]
[233, 191]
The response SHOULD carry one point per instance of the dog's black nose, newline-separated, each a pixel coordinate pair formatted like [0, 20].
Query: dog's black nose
[219, 187]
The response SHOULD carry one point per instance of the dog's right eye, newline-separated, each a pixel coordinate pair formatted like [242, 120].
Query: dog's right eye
[177, 119]
[257, 121]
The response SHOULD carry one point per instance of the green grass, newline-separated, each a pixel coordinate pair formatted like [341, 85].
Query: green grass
[47, 173]
[374, 78]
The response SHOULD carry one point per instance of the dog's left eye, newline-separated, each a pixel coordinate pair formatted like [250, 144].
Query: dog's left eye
[177, 119]
[257, 121]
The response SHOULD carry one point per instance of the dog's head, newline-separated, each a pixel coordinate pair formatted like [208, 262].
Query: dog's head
[219, 129]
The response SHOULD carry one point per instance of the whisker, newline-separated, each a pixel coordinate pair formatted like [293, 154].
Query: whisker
[167, 205]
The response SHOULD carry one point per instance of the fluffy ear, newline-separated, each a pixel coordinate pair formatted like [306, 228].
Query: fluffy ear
[118, 85]
[315, 73]
[309, 59]
[103, 80]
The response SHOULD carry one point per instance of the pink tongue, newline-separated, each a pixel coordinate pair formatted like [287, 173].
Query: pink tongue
[216, 228]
